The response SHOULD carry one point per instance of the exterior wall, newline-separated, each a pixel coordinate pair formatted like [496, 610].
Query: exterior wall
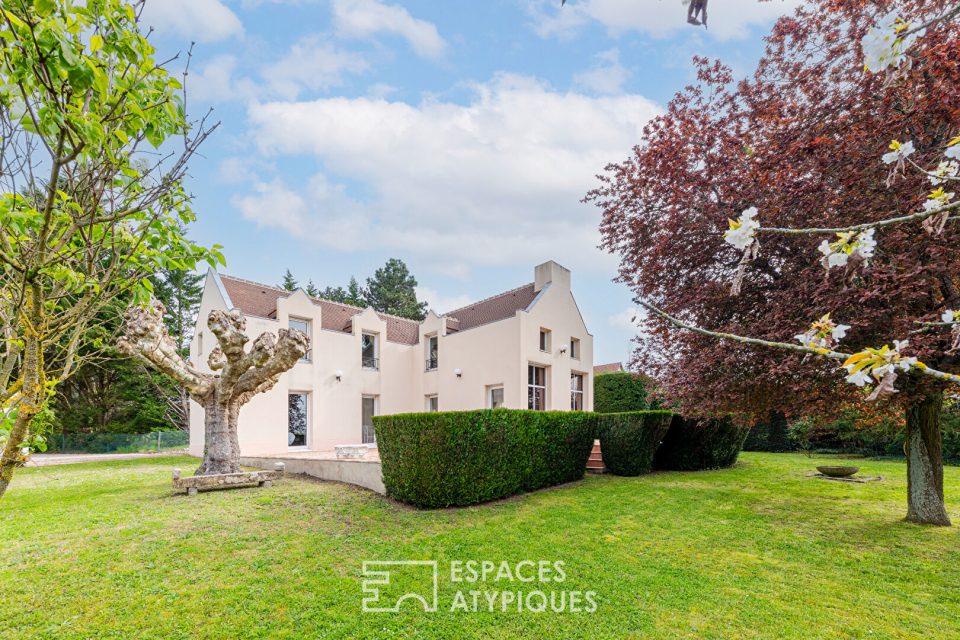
[497, 353]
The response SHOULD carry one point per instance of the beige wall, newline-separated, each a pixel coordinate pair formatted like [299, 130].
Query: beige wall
[494, 354]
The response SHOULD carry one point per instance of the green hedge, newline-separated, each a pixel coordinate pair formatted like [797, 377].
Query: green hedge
[691, 445]
[466, 457]
[629, 440]
[619, 392]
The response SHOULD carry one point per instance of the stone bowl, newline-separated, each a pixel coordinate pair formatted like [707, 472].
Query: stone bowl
[838, 472]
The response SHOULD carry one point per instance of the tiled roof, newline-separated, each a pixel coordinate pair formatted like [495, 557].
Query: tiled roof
[255, 299]
[612, 367]
[499, 307]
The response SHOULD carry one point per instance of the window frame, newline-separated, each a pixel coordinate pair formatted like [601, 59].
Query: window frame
[376, 351]
[581, 392]
[545, 340]
[432, 359]
[490, 391]
[574, 348]
[376, 412]
[430, 399]
[308, 324]
[307, 410]
[533, 388]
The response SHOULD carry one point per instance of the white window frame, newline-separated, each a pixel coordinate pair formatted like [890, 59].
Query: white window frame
[376, 351]
[544, 339]
[306, 435]
[544, 387]
[308, 356]
[376, 412]
[428, 399]
[490, 389]
[574, 348]
[582, 392]
[427, 359]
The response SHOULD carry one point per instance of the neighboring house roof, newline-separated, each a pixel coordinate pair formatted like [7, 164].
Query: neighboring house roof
[611, 367]
[498, 307]
[255, 299]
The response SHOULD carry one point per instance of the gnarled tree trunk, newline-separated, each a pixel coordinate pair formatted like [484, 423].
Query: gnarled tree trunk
[924, 450]
[239, 374]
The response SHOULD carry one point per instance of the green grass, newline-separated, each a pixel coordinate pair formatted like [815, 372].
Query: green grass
[758, 551]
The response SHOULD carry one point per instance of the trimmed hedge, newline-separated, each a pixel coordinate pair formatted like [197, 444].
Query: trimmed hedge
[459, 458]
[629, 440]
[619, 392]
[691, 445]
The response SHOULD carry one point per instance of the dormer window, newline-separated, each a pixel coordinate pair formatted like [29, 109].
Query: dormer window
[369, 351]
[301, 325]
[433, 353]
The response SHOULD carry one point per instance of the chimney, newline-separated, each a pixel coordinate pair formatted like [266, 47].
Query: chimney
[551, 273]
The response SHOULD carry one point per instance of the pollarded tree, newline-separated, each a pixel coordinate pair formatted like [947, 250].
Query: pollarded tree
[91, 198]
[239, 374]
[793, 154]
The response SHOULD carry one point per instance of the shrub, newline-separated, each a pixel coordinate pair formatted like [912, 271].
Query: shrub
[700, 444]
[459, 458]
[619, 392]
[629, 440]
[772, 434]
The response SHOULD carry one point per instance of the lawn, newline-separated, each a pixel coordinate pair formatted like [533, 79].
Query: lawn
[758, 551]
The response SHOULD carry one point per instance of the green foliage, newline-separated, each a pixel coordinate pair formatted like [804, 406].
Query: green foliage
[180, 292]
[391, 290]
[311, 289]
[691, 445]
[467, 457]
[619, 392]
[289, 282]
[772, 434]
[629, 440]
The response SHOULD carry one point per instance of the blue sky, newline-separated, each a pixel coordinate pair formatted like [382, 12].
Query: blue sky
[458, 136]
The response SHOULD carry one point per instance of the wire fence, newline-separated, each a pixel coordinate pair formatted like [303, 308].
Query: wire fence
[118, 442]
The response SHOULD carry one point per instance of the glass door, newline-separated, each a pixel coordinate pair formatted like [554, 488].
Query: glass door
[368, 410]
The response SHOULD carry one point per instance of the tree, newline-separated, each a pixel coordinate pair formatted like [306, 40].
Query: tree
[238, 375]
[391, 290]
[619, 392]
[180, 292]
[800, 141]
[355, 294]
[289, 282]
[311, 289]
[92, 199]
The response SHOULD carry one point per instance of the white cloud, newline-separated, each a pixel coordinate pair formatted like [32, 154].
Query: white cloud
[440, 303]
[728, 20]
[200, 20]
[364, 18]
[495, 181]
[606, 76]
[629, 319]
[214, 82]
[311, 63]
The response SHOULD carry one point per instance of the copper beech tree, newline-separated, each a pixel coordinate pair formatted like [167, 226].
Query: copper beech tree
[239, 373]
[837, 279]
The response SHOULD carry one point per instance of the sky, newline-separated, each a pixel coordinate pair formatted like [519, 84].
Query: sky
[459, 136]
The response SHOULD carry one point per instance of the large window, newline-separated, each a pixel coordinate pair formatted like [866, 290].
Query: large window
[576, 391]
[298, 419]
[433, 344]
[536, 387]
[301, 325]
[369, 351]
[368, 410]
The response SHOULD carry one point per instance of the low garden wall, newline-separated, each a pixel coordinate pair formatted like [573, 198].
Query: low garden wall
[466, 457]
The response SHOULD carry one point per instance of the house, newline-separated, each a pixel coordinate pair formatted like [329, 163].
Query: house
[524, 348]
[610, 367]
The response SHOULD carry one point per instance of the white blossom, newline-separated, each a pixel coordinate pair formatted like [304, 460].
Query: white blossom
[838, 253]
[741, 233]
[859, 378]
[950, 316]
[953, 152]
[946, 170]
[898, 151]
[840, 331]
[883, 46]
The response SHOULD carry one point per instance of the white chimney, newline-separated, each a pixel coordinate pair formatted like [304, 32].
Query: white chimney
[551, 273]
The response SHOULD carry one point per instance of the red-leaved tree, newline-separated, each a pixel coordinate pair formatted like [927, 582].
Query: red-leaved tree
[801, 140]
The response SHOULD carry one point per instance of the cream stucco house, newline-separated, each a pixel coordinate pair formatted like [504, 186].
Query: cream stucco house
[525, 348]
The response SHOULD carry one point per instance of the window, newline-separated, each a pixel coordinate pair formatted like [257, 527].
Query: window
[576, 391]
[368, 409]
[199, 344]
[495, 397]
[433, 344]
[369, 351]
[433, 404]
[536, 387]
[575, 348]
[545, 340]
[297, 419]
[301, 325]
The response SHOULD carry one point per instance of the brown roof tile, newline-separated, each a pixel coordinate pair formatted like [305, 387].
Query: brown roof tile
[499, 307]
[612, 367]
[253, 298]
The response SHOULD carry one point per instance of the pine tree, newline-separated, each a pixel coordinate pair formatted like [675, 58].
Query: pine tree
[391, 290]
[355, 294]
[312, 290]
[289, 282]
